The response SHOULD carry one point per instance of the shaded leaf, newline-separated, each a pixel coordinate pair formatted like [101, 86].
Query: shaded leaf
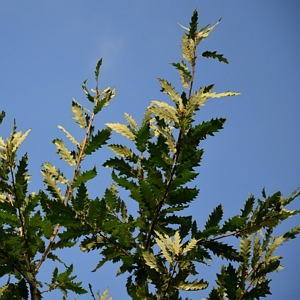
[97, 141]
[209, 54]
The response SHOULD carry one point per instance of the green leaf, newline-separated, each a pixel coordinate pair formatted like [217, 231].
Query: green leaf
[120, 165]
[182, 196]
[64, 152]
[209, 54]
[231, 280]
[257, 252]
[291, 234]
[260, 290]
[234, 223]
[215, 217]
[268, 268]
[109, 95]
[200, 131]
[248, 206]
[142, 137]
[69, 136]
[2, 116]
[193, 25]
[195, 285]
[78, 114]
[88, 95]
[23, 290]
[97, 70]
[97, 141]
[122, 129]
[82, 198]
[84, 177]
[223, 250]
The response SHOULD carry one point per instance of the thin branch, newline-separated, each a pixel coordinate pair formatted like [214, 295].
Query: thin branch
[175, 158]
[70, 186]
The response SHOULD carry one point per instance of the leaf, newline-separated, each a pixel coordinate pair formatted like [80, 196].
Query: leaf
[55, 173]
[224, 94]
[257, 252]
[51, 185]
[215, 217]
[64, 152]
[2, 116]
[123, 151]
[260, 290]
[190, 246]
[177, 243]
[223, 250]
[78, 114]
[88, 95]
[204, 32]
[69, 136]
[182, 196]
[248, 206]
[209, 54]
[84, 177]
[187, 48]
[193, 25]
[161, 241]
[120, 165]
[142, 137]
[17, 139]
[195, 285]
[97, 70]
[167, 88]
[268, 268]
[131, 121]
[22, 288]
[97, 141]
[164, 111]
[291, 234]
[22, 178]
[185, 74]
[196, 100]
[122, 129]
[152, 262]
[234, 223]
[167, 134]
[109, 95]
[231, 280]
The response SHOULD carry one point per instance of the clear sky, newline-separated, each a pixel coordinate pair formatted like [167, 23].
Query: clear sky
[47, 49]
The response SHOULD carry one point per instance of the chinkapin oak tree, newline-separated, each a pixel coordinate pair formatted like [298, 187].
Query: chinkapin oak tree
[159, 248]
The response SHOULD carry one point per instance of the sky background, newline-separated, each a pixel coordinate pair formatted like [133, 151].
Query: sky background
[47, 49]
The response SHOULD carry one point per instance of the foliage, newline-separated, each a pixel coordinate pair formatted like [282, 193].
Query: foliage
[159, 248]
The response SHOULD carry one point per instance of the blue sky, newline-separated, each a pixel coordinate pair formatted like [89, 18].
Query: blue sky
[49, 47]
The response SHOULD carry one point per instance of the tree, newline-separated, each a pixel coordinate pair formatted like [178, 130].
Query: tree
[159, 246]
